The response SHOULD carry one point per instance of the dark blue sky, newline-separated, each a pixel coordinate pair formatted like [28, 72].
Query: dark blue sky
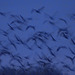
[24, 6]
[58, 9]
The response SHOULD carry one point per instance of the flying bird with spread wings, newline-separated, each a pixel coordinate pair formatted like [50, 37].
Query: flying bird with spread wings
[38, 10]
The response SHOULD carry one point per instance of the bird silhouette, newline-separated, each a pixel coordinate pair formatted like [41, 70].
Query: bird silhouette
[52, 37]
[65, 36]
[68, 67]
[42, 63]
[5, 33]
[38, 10]
[72, 59]
[26, 57]
[10, 27]
[17, 21]
[63, 20]
[4, 47]
[72, 51]
[12, 43]
[3, 14]
[4, 52]
[50, 22]
[50, 50]
[65, 30]
[30, 27]
[23, 18]
[50, 17]
[72, 41]
[61, 47]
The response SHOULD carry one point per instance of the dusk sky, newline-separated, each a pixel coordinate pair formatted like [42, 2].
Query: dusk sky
[53, 27]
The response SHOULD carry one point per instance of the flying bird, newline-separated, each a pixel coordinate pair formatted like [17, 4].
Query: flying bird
[10, 27]
[22, 18]
[26, 57]
[38, 46]
[3, 14]
[38, 10]
[68, 67]
[51, 17]
[72, 59]
[63, 20]
[42, 63]
[72, 51]
[4, 52]
[52, 37]
[61, 47]
[73, 41]
[4, 47]
[65, 36]
[30, 27]
[17, 21]
[50, 50]
[12, 43]
[5, 33]
[50, 22]
[65, 30]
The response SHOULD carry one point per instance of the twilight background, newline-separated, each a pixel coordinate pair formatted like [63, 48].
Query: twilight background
[37, 37]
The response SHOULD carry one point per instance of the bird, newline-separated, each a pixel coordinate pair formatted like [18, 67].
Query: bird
[63, 30]
[3, 14]
[4, 52]
[27, 46]
[38, 10]
[28, 64]
[72, 41]
[4, 47]
[26, 57]
[65, 36]
[61, 47]
[17, 59]
[23, 18]
[5, 33]
[17, 38]
[31, 38]
[72, 59]
[38, 45]
[48, 59]
[51, 17]
[11, 43]
[41, 40]
[50, 22]
[14, 16]
[50, 50]
[68, 67]
[42, 63]
[72, 17]
[40, 57]
[10, 27]
[72, 51]
[42, 35]
[30, 27]
[63, 20]
[52, 37]
[17, 21]
[22, 42]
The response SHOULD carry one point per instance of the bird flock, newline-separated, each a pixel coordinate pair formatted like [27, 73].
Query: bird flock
[38, 43]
